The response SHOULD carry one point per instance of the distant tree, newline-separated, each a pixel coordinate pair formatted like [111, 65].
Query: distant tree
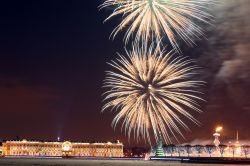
[170, 149]
[246, 150]
[179, 149]
[17, 138]
[210, 149]
[188, 149]
[139, 151]
[199, 149]
[222, 149]
[233, 149]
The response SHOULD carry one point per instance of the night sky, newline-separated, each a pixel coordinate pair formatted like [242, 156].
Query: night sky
[53, 55]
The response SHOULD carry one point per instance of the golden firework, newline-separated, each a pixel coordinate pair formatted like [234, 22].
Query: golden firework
[154, 19]
[150, 91]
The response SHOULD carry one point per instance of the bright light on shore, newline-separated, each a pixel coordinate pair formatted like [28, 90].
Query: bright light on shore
[218, 129]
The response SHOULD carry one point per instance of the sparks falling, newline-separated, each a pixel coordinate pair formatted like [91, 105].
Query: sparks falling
[154, 19]
[150, 92]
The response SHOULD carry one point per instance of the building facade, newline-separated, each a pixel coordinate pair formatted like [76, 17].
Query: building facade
[62, 149]
[1, 149]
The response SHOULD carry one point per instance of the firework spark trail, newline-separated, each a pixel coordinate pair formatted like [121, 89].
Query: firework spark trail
[150, 91]
[153, 19]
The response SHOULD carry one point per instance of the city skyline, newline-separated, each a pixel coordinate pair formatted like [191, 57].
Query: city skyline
[53, 56]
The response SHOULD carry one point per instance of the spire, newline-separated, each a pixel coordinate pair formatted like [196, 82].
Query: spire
[237, 138]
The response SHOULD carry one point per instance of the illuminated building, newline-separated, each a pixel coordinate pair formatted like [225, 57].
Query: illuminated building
[62, 149]
[1, 149]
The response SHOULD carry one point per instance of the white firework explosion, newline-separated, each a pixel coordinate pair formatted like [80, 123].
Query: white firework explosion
[154, 19]
[151, 93]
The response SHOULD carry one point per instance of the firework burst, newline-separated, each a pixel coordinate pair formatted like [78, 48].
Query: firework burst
[150, 92]
[153, 19]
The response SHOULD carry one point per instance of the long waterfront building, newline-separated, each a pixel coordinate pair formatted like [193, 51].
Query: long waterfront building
[61, 149]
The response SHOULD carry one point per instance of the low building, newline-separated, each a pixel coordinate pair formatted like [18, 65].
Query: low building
[62, 149]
